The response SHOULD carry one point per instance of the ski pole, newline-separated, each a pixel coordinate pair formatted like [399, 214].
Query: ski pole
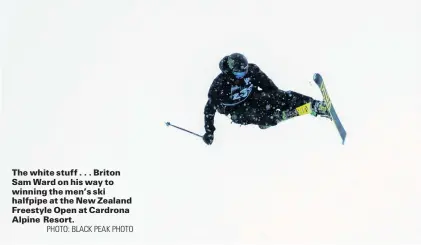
[185, 130]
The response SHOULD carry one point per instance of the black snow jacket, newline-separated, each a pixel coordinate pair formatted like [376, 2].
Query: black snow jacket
[228, 94]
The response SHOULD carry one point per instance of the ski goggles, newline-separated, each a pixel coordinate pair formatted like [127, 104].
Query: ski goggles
[240, 74]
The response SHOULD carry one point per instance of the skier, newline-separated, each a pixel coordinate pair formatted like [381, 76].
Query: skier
[248, 96]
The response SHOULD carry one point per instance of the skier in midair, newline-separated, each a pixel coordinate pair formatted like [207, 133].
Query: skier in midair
[248, 96]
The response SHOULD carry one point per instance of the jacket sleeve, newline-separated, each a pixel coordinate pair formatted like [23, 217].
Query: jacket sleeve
[210, 110]
[264, 82]
[210, 107]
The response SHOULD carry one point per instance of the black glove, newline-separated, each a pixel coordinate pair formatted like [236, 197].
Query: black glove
[208, 138]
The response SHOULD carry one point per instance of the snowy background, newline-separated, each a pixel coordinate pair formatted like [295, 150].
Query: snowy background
[90, 84]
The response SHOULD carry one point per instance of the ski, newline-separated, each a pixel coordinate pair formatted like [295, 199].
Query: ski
[318, 79]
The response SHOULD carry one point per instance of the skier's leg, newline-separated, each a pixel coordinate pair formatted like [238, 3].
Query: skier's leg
[253, 112]
[242, 115]
[284, 104]
[268, 109]
[287, 100]
[253, 115]
[261, 110]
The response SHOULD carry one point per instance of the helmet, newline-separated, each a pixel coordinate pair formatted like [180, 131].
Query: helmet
[238, 65]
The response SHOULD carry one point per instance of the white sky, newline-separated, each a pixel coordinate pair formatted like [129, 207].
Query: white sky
[90, 84]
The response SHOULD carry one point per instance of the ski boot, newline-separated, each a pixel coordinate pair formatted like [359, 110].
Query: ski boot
[319, 108]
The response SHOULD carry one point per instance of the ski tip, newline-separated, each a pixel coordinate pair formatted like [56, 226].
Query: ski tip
[167, 124]
[343, 139]
[317, 78]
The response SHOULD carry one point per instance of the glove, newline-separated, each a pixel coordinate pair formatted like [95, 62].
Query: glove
[208, 138]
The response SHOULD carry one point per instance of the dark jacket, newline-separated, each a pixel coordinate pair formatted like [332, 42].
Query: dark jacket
[228, 94]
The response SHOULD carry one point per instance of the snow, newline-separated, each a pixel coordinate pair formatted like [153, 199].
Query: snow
[90, 84]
